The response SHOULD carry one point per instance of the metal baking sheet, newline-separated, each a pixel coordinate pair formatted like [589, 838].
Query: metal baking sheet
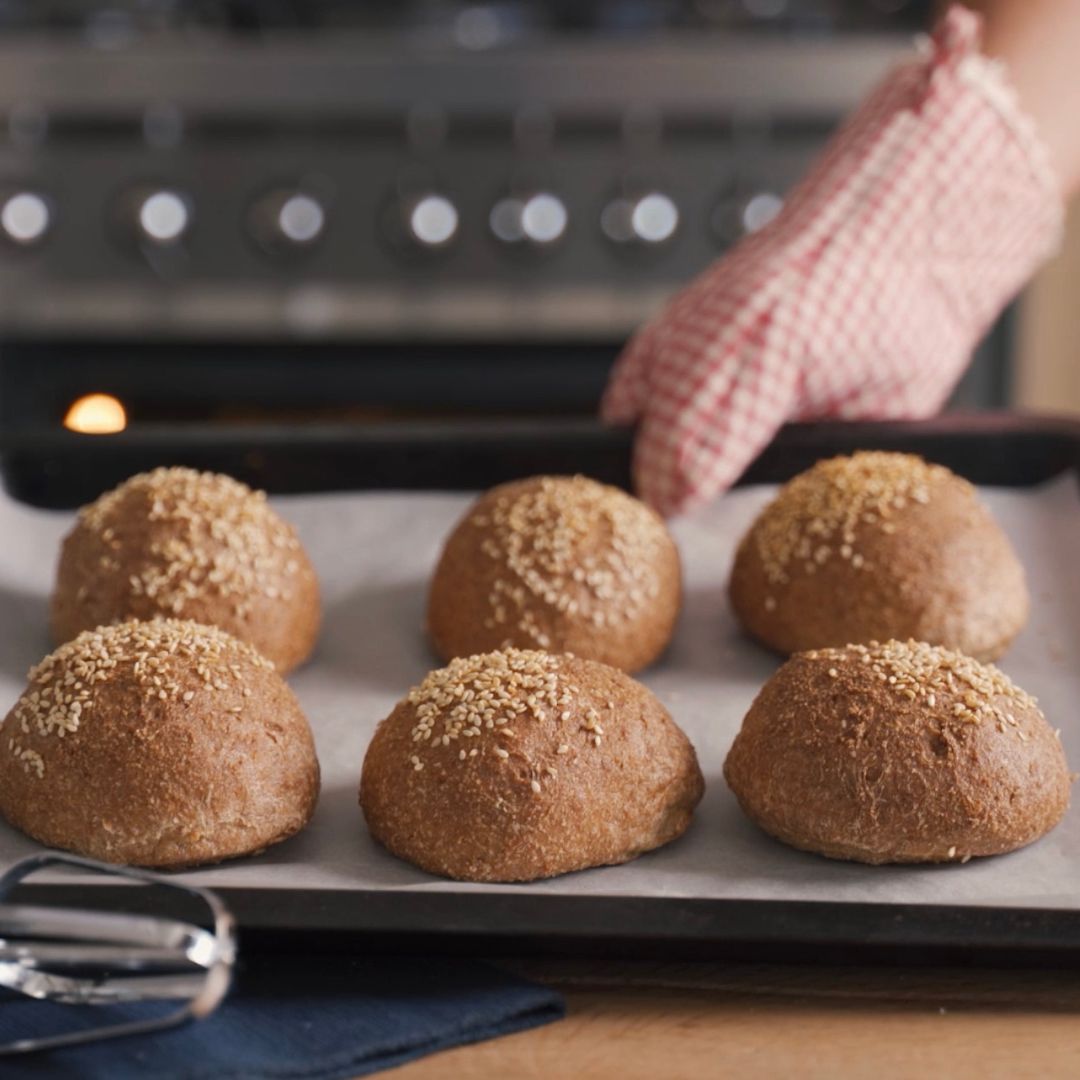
[374, 552]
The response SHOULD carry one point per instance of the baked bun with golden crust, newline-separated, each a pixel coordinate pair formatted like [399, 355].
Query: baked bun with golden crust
[162, 743]
[560, 563]
[897, 753]
[878, 546]
[193, 545]
[518, 765]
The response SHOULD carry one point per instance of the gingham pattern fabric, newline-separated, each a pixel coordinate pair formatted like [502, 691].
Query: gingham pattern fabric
[864, 299]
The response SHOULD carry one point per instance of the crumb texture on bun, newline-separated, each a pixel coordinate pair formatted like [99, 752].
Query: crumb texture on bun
[164, 743]
[879, 546]
[195, 545]
[898, 753]
[560, 563]
[519, 765]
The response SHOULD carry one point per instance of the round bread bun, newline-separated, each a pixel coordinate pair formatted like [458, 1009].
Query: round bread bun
[163, 743]
[193, 545]
[519, 765]
[897, 753]
[879, 546]
[560, 563]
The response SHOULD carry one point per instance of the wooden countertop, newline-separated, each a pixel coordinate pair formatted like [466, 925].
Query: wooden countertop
[670, 1021]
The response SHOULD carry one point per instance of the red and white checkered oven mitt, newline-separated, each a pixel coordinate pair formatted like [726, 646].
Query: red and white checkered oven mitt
[864, 299]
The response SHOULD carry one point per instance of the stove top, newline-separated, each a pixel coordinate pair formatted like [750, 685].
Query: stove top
[434, 170]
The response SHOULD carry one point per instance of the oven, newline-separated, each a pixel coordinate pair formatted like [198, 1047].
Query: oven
[417, 223]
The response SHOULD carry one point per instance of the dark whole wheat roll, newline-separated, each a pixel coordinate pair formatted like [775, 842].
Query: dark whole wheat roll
[162, 743]
[897, 753]
[878, 546]
[519, 765]
[194, 545]
[560, 563]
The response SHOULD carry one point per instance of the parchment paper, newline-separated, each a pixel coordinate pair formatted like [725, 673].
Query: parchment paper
[374, 553]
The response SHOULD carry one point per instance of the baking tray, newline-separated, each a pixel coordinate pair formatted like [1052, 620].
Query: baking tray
[1003, 450]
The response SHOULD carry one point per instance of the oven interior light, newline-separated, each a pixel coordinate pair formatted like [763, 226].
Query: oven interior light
[96, 414]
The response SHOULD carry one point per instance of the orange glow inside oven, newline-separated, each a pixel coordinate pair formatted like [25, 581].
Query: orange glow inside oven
[96, 414]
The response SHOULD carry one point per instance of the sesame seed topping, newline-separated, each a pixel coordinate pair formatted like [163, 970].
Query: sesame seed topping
[535, 785]
[475, 695]
[157, 657]
[840, 499]
[209, 536]
[965, 690]
[31, 760]
[569, 548]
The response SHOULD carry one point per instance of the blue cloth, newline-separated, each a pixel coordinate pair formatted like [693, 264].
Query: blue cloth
[293, 1018]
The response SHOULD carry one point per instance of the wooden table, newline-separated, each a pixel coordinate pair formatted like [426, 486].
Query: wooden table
[654, 1022]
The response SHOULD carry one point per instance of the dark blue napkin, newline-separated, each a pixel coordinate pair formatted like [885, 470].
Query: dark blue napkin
[296, 1017]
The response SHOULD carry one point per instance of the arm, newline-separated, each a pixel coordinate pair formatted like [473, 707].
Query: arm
[1039, 42]
[925, 215]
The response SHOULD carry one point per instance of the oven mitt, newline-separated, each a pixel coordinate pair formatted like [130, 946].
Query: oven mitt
[864, 299]
[317, 1017]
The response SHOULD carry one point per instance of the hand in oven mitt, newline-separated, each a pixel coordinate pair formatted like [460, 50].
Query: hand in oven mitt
[865, 297]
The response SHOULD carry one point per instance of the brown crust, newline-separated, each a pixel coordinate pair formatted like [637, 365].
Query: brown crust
[136, 777]
[626, 781]
[834, 759]
[249, 575]
[483, 599]
[945, 574]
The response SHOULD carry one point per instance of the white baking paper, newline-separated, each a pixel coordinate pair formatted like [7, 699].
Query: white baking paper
[374, 552]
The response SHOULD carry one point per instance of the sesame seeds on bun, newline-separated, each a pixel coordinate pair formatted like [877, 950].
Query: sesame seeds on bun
[159, 743]
[180, 543]
[520, 764]
[878, 546]
[558, 563]
[897, 752]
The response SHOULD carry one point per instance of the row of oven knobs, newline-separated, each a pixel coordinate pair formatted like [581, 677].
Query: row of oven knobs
[292, 219]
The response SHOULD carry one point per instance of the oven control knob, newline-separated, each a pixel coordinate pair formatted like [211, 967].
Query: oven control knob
[431, 221]
[740, 215]
[163, 217]
[539, 219]
[287, 220]
[25, 218]
[648, 220]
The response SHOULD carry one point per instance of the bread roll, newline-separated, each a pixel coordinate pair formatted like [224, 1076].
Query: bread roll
[562, 564]
[518, 765]
[201, 546]
[879, 546]
[897, 753]
[163, 743]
